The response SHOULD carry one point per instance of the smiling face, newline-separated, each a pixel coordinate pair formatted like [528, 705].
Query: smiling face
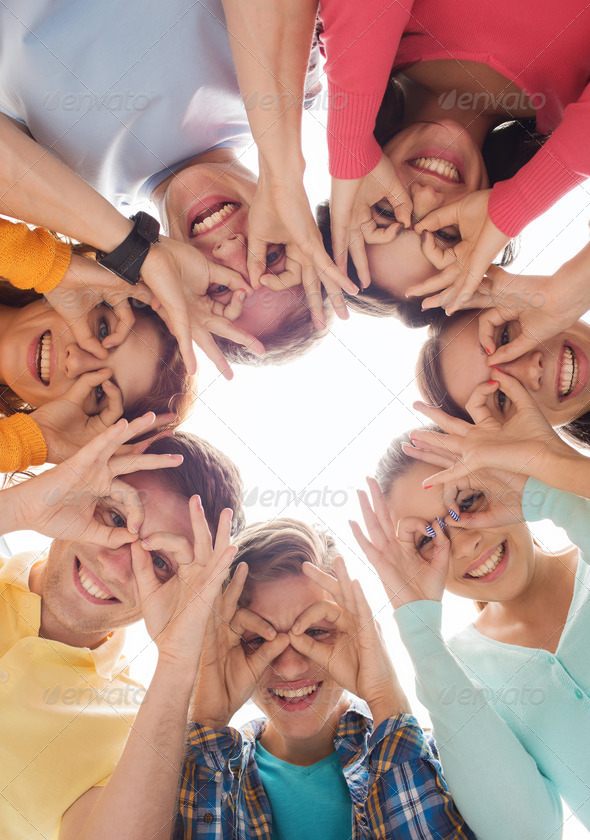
[493, 564]
[40, 359]
[88, 590]
[302, 702]
[556, 373]
[207, 206]
[437, 163]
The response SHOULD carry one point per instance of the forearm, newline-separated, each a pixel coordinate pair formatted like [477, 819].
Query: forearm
[572, 281]
[390, 705]
[140, 798]
[563, 468]
[40, 190]
[567, 510]
[270, 42]
[466, 725]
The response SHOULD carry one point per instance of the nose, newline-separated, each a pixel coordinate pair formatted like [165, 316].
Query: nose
[78, 361]
[528, 369]
[290, 665]
[466, 543]
[426, 197]
[115, 564]
[232, 251]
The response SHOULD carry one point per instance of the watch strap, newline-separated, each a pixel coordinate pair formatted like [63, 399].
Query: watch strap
[127, 259]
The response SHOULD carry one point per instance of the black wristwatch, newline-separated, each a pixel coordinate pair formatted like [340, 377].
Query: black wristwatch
[127, 259]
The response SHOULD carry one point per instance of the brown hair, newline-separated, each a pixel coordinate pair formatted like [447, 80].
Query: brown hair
[173, 391]
[294, 336]
[433, 390]
[205, 471]
[278, 549]
[506, 149]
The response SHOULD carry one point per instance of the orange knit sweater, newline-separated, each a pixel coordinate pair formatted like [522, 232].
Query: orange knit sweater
[29, 259]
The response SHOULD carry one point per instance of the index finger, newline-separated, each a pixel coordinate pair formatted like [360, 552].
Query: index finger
[320, 611]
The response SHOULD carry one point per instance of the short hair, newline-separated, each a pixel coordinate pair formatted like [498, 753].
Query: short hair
[294, 335]
[205, 471]
[278, 549]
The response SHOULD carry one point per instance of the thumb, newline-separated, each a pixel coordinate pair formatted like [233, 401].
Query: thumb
[441, 217]
[256, 259]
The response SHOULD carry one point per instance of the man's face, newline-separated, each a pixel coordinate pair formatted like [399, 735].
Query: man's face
[90, 590]
[300, 699]
[206, 204]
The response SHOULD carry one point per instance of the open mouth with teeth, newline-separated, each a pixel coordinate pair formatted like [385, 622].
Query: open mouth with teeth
[43, 358]
[294, 699]
[91, 587]
[568, 372]
[213, 216]
[438, 166]
[489, 566]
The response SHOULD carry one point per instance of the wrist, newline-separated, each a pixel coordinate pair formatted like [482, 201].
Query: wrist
[388, 707]
[284, 170]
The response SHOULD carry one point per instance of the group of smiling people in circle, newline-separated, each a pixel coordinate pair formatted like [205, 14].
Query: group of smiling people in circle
[428, 190]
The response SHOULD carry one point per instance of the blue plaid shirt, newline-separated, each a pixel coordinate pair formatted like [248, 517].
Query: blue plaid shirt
[395, 783]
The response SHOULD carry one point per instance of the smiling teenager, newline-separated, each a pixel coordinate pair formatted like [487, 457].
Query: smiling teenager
[78, 752]
[510, 691]
[293, 632]
[555, 372]
[206, 204]
[471, 103]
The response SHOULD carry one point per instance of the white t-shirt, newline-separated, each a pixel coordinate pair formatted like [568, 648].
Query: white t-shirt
[123, 92]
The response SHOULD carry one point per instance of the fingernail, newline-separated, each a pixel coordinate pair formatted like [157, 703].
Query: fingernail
[489, 352]
[430, 531]
[441, 522]
[491, 382]
[454, 515]
[263, 282]
[295, 627]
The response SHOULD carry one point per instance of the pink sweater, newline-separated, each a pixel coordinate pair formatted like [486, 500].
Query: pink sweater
[542, 46]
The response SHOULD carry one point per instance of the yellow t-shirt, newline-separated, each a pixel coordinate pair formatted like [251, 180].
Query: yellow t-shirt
[65, 712]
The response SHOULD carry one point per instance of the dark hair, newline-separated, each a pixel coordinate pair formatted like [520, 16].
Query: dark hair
[173, 391]
[205, 471]
[506, 149]
[278, 548]
[433, 389]
[293, 336]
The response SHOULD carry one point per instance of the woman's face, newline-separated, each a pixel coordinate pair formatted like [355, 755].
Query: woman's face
[207, 206]
[40, 360]
[491, 564]
[437, 163]
[555, 373]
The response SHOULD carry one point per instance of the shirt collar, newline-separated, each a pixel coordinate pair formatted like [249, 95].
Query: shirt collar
[15, 572]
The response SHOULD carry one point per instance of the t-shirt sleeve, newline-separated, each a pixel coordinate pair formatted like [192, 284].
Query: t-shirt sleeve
[360, 41]
[566, 510]
[560, 164]
[474, 742]
[32, 259]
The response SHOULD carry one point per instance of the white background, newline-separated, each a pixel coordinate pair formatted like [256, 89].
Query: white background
[312, 430]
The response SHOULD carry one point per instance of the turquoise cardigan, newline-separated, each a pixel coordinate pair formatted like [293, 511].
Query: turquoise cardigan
[512, 724]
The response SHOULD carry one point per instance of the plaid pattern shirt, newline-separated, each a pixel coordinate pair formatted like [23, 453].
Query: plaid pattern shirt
[395, 783]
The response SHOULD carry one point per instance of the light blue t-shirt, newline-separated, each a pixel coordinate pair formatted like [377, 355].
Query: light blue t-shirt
[306, 801]
[121, 91]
